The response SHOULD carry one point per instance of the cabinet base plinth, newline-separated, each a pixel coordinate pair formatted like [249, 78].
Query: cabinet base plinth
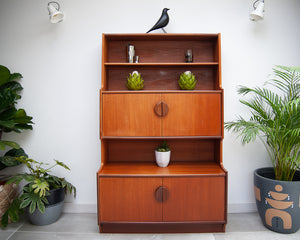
[162, 227]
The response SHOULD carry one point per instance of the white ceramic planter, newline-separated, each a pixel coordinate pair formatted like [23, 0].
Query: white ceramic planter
[162, 158]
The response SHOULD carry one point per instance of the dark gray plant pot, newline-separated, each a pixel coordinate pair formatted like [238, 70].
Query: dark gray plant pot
[53, 209]
[278, 202]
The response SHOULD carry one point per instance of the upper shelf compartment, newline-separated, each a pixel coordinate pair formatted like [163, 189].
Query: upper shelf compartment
[162, 48]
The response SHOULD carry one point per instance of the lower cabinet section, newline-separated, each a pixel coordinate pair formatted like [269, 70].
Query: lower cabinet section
[129, 200]
[194, 199]
[150, 203]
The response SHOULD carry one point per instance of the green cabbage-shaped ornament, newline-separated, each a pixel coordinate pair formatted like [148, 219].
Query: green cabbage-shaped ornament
[135, 81]
[187, 81]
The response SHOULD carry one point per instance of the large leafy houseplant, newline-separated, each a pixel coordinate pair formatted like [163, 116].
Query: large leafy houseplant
[34, 194]
[275, 118]
[11, 118]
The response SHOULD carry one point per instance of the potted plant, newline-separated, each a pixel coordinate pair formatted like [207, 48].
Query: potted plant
[43, 196]
[275, 119]
[163, 154]
[187, 81]
[11, 120]
[135, 81]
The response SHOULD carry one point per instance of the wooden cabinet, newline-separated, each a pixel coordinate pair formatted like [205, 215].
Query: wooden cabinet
[194, 199]
[202, 114]
[135, 114]
[162, 199]
[130, 115]
[130, 200]
[134, 194]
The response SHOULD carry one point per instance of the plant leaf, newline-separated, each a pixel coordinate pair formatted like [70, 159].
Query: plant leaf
[21, 117]
[62, 164]
[8, 143]
[32, 207]
[41, 206]
[13, 211]
[15, 76]
[4, 75]
[40, 187]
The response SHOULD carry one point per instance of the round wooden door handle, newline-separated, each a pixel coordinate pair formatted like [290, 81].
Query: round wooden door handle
[161, 109]
[162, 194]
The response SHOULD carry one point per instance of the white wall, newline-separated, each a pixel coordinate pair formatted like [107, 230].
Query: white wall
[61, 65]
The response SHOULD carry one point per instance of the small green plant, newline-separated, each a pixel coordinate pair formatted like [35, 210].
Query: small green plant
[275, 118]
[135, 81]
[40, 181]
[163, 147]
[11, 118]
[187, 81]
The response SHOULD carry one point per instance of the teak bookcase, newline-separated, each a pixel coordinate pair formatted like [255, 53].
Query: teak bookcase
[134, 194]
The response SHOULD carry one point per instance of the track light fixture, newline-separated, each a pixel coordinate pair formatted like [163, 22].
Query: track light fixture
[56, 16]
[258, 12]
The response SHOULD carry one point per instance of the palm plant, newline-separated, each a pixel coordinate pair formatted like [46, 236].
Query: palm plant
[275, 118]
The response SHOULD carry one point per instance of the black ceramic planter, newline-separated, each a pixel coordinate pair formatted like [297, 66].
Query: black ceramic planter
[53, 209]
[278, 202]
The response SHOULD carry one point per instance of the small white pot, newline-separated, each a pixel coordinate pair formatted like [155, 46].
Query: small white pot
[162, 158]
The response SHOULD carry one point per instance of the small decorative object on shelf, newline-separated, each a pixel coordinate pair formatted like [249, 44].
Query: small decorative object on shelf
[162, 21]
[189, 56]
[187, 81]
[136, 59]
[163, 154]
[135, 81]
[131, 53]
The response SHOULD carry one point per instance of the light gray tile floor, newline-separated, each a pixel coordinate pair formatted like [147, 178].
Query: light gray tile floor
[84, 227]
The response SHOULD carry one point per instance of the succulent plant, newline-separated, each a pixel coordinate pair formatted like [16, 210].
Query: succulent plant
[135, 81]
[187, 81]
[163, 147]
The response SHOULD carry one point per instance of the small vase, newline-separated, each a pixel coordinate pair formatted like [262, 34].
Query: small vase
[162, 158]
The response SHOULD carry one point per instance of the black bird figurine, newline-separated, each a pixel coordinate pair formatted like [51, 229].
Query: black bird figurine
[162, 22]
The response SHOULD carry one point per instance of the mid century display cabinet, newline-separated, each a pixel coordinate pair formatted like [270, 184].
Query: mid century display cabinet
[134, 194]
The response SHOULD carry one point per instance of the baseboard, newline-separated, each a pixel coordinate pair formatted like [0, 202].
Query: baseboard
[92, 208]
[79, 208]
[242, 208]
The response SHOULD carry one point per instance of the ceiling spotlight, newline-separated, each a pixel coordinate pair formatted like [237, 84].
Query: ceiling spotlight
[258, 12]
[56, 16]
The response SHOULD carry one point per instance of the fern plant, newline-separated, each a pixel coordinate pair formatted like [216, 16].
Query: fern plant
[40, 181]
[275, 119]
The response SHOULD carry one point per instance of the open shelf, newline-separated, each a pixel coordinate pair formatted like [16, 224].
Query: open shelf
[161, 91]
[161, 76]
[160, 48]
[161, 138]
[142, 150]
[150, 169]
[161, 64]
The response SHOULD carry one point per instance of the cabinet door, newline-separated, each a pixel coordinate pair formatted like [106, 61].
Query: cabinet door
[192, 114]
[130, 115]
[194, 199]
[130, 199]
